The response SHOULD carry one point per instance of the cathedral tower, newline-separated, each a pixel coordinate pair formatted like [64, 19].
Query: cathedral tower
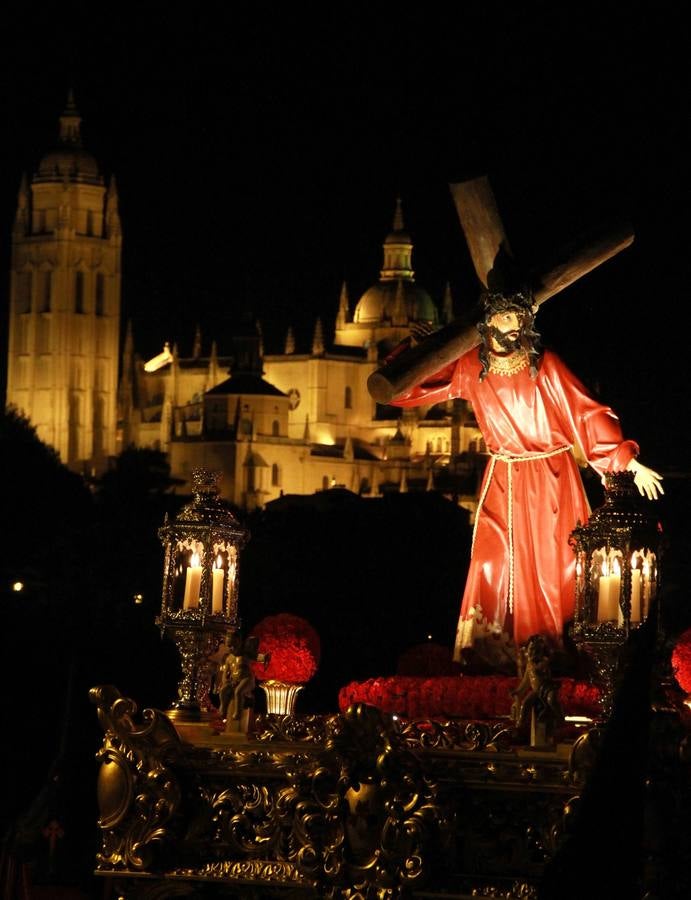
[65, 302]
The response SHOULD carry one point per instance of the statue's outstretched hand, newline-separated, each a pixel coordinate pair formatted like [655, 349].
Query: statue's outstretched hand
[648, 482]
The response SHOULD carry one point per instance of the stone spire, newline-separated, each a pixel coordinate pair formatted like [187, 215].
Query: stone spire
[113, 229]
[260, 339]
[21, 220]
[128, 349]
[126, 396]
[212, 373]
[290, 341]
[70, 123]
[343, 307]
[127, 362]
[398, 216]
[318, 339]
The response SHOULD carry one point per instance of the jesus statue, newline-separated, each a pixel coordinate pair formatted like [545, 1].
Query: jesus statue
[533, 414]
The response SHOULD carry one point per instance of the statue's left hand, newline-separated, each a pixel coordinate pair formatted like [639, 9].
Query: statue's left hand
[648, 482]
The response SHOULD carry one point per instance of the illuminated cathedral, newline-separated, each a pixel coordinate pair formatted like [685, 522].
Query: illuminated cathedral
[64, 323]
[293, 422]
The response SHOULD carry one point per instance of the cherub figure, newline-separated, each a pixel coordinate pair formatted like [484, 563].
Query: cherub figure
[237, 681]
[537, 692]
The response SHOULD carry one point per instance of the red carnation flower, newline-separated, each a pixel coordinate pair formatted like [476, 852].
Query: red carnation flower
[292, 646]
[681, 661]
[460, 696]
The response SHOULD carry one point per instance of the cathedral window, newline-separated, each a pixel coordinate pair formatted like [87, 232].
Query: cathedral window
[348, 398]
[275, 475]
[275, 428]
[24, 292]
[79, 292]
[46, 291]
[40, 221]
[100, 294]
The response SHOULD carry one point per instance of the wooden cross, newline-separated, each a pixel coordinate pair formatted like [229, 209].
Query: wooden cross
[490, 251]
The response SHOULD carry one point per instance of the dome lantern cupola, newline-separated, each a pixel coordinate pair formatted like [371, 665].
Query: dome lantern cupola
[69, 161]
[396, 297]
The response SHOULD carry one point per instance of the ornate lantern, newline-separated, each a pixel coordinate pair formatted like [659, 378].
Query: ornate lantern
[199, 605]
[617, 575]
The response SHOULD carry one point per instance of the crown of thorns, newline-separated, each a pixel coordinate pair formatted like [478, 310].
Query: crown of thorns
[493, 302]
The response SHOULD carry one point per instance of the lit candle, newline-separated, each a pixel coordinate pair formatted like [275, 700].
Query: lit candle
[193, 583]
[603, 595]
[646, 586]
[217, 589]
[635, 589]
[614, 591]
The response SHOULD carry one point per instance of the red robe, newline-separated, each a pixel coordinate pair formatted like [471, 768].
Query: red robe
[521, 578]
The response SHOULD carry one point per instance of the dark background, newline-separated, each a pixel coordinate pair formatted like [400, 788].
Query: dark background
[258, 151]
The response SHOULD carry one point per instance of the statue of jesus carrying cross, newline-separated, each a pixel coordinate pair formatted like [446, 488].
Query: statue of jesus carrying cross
[532, 412]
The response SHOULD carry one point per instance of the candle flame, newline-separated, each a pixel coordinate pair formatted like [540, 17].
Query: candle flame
[194, 561]
[605, 571]
[219, 562]
[634, 560]
[646, 569]
[616, 569]
[578, 569]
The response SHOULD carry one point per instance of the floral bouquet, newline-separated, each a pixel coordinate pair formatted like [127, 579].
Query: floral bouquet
[681, 661]
[292, 647]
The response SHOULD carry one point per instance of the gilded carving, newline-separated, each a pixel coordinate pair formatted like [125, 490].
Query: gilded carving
[138, 793]
[374, 808]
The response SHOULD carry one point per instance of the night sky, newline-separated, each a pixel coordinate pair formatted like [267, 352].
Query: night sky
[259, 148]
[258, 152]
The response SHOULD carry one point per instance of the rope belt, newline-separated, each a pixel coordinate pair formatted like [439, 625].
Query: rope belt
[509, 460]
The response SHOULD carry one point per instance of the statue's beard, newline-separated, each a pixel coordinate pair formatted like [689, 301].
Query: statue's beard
[509, 342]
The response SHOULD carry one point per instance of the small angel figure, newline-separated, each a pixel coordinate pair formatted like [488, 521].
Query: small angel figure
[237, 681]
[537, 696]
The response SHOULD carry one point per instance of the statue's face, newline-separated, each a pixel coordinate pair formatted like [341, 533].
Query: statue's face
[504, 331]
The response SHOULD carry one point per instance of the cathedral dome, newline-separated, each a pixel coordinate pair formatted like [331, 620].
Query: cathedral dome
[72, 162]
[380, 303]
[396, 298]
[69, 160]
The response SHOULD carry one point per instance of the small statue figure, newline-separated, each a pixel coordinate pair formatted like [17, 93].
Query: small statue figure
[537, 695]
[237, 682]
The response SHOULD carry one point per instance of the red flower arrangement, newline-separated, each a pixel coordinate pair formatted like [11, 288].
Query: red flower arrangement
[293, 647]
[459, 696]
[681, 661]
